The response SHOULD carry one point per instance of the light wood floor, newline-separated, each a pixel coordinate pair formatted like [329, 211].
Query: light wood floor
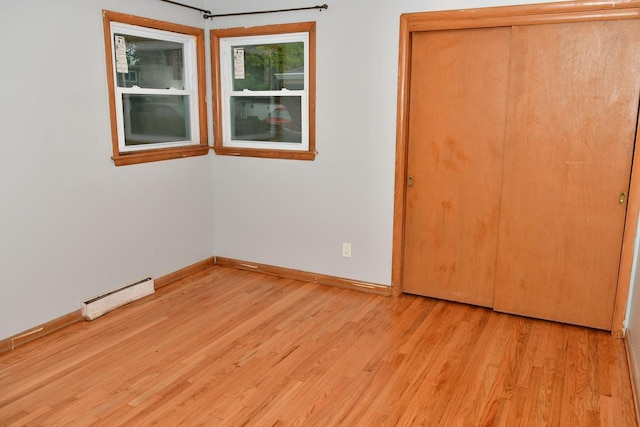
[232, 348]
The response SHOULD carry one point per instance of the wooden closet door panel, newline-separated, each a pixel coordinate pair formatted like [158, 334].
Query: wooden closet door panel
[573, 101]
[456, 124]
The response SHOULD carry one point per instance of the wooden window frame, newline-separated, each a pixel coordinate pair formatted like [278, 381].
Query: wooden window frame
[216, 36]
[199, 146]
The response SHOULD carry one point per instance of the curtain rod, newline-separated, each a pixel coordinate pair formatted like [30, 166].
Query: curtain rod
[319, 7]
[209, 15]
[206, 12]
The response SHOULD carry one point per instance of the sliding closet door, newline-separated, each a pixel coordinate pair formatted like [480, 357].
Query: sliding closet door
[457, 118]
[573, 101]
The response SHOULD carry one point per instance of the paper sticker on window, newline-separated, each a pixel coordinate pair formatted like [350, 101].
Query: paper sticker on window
[238, 63]
[121, 55]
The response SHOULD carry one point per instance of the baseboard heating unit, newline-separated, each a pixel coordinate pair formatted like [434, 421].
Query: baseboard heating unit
[102, 304]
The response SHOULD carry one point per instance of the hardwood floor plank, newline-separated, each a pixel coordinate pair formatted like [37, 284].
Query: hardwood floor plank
[624, 411]
[229, 347]
[473, 380]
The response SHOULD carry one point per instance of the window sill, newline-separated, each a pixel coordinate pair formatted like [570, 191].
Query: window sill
[157, 155]
[272, 154]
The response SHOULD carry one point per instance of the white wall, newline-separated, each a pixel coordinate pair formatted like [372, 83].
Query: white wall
[633, 313]
[72, 225]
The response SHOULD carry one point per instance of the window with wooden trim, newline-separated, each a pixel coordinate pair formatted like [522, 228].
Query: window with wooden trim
[264, 83]
[156, 79]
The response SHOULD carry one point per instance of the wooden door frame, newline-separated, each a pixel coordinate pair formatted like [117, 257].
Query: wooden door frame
[548, 13]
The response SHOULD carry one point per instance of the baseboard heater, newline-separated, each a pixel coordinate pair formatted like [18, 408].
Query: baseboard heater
[102, 304]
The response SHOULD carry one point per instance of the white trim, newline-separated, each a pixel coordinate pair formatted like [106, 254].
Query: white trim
[226, 60]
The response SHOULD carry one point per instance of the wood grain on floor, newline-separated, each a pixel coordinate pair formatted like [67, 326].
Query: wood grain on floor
[229, 347]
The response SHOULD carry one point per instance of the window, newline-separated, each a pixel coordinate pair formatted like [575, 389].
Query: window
[155, 73]
[264, 83]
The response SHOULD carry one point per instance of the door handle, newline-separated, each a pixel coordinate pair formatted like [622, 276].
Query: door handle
[622, 198]
[410, 182]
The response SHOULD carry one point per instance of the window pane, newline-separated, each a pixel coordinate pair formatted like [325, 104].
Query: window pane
[150, 119]
[151, 63]
[268, 66]
[265, 118]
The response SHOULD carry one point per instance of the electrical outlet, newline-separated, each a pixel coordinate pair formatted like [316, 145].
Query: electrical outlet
[346, 250]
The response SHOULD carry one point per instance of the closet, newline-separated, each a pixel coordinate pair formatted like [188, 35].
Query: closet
[520, 143]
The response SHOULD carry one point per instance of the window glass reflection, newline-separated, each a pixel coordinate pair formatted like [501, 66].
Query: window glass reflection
[266, 118]
[150, 119]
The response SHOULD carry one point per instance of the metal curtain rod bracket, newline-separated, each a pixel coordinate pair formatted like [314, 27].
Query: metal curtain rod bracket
[206, 12]
[319, 7]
